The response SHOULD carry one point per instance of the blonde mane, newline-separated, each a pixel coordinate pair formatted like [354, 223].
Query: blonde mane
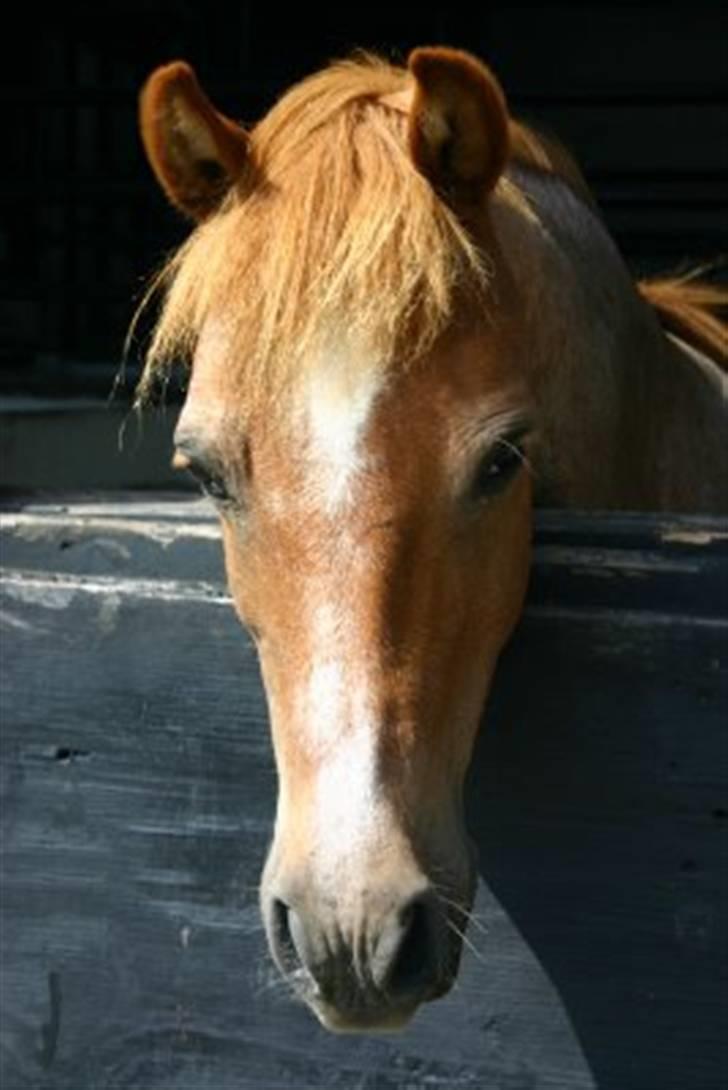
[692, 309]
[330, 232]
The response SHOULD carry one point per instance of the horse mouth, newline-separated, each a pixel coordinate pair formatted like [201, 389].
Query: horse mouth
[361, 973]
[371, 1012]
[371, 1019]
[362, 1020]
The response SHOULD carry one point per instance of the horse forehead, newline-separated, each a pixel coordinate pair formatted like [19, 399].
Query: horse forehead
[210, 407]
[333, 415]
[348, 421]
[360, 426]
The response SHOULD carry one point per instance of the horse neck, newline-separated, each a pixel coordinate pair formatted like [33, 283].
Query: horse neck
[623, 412]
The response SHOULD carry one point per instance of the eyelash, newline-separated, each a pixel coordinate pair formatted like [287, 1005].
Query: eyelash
[498, 468]
[212, 485]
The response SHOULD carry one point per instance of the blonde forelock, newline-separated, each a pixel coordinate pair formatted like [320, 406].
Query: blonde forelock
[331, 229]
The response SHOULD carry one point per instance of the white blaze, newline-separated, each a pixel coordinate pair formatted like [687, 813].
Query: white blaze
[337, 704]
[340, 395]
[341, 731]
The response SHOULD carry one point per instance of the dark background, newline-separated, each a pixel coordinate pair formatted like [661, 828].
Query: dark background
[138, 805]
[637, 92]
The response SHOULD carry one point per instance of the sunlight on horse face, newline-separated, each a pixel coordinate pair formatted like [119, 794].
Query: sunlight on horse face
[364, 363]
[380, 557]
[375, 509]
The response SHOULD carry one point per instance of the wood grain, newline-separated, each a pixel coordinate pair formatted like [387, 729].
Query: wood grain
[138, 792]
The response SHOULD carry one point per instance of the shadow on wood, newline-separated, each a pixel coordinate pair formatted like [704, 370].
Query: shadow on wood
[598, 803]
[138, 793]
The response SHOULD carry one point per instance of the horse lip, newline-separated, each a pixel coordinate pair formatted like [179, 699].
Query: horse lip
[369, 1017]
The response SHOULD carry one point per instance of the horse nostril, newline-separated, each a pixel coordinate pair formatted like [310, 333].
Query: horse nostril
[407, 958]
[413, 959]
[296, 948]
[398, 964]
[282, 940]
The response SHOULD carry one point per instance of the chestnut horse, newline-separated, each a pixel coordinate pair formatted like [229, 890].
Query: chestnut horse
[403, 318]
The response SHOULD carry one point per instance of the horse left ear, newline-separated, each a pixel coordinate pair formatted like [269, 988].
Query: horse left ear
[458, 123]
[196, 152]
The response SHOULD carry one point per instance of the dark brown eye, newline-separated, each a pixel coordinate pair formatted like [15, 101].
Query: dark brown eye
[211, 482]
[212, 486]
[498, 467]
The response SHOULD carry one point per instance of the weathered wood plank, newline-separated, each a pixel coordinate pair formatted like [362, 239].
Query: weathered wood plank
[138, 790]
[671, 564]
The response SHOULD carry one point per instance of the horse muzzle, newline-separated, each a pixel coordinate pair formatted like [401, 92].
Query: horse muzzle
[369, 968]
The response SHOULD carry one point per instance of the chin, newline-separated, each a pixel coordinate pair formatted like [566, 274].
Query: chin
[372, 1019]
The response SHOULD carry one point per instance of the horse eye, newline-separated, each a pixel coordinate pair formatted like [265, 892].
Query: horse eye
[499, 467]
[215, 488]
[211, 483]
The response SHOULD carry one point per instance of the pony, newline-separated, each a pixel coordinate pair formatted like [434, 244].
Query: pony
[404, 324]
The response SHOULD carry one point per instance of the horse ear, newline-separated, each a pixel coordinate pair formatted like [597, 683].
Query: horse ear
[195, 152]
[458, 124]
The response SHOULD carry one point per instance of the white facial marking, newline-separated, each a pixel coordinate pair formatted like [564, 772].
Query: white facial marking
[325, 705]
[340, 394]
[328, 708]
[342, 724]
[348, 810]
[340, 727]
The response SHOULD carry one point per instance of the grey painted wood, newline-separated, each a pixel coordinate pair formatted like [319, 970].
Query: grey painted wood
[138, 791]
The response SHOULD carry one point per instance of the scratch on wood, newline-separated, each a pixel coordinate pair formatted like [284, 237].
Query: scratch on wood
[34, 527]
[56, 591]
[9, 620]
[51, 1029]
[108, 612]
[49, 593]
[680, 536]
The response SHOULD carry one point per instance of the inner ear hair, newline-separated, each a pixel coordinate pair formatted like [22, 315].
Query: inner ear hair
[195, 152]
[459, 131]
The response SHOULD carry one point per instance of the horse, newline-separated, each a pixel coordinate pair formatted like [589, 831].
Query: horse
[404, 324]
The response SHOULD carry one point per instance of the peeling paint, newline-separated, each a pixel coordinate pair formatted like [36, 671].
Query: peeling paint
[679, 536]
[49, 594]
[37, 527]
[109, 607]
[57, 591]
[9, 620]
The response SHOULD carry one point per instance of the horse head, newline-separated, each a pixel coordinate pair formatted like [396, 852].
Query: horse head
[358, 412]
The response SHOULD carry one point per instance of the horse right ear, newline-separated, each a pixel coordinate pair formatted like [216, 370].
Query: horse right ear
[195, 152]
[458, 124]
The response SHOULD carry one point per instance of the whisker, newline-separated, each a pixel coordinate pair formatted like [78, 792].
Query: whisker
[273, 984]
[470, 917]
[521, 455]
[466, 942]
[468, 914]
